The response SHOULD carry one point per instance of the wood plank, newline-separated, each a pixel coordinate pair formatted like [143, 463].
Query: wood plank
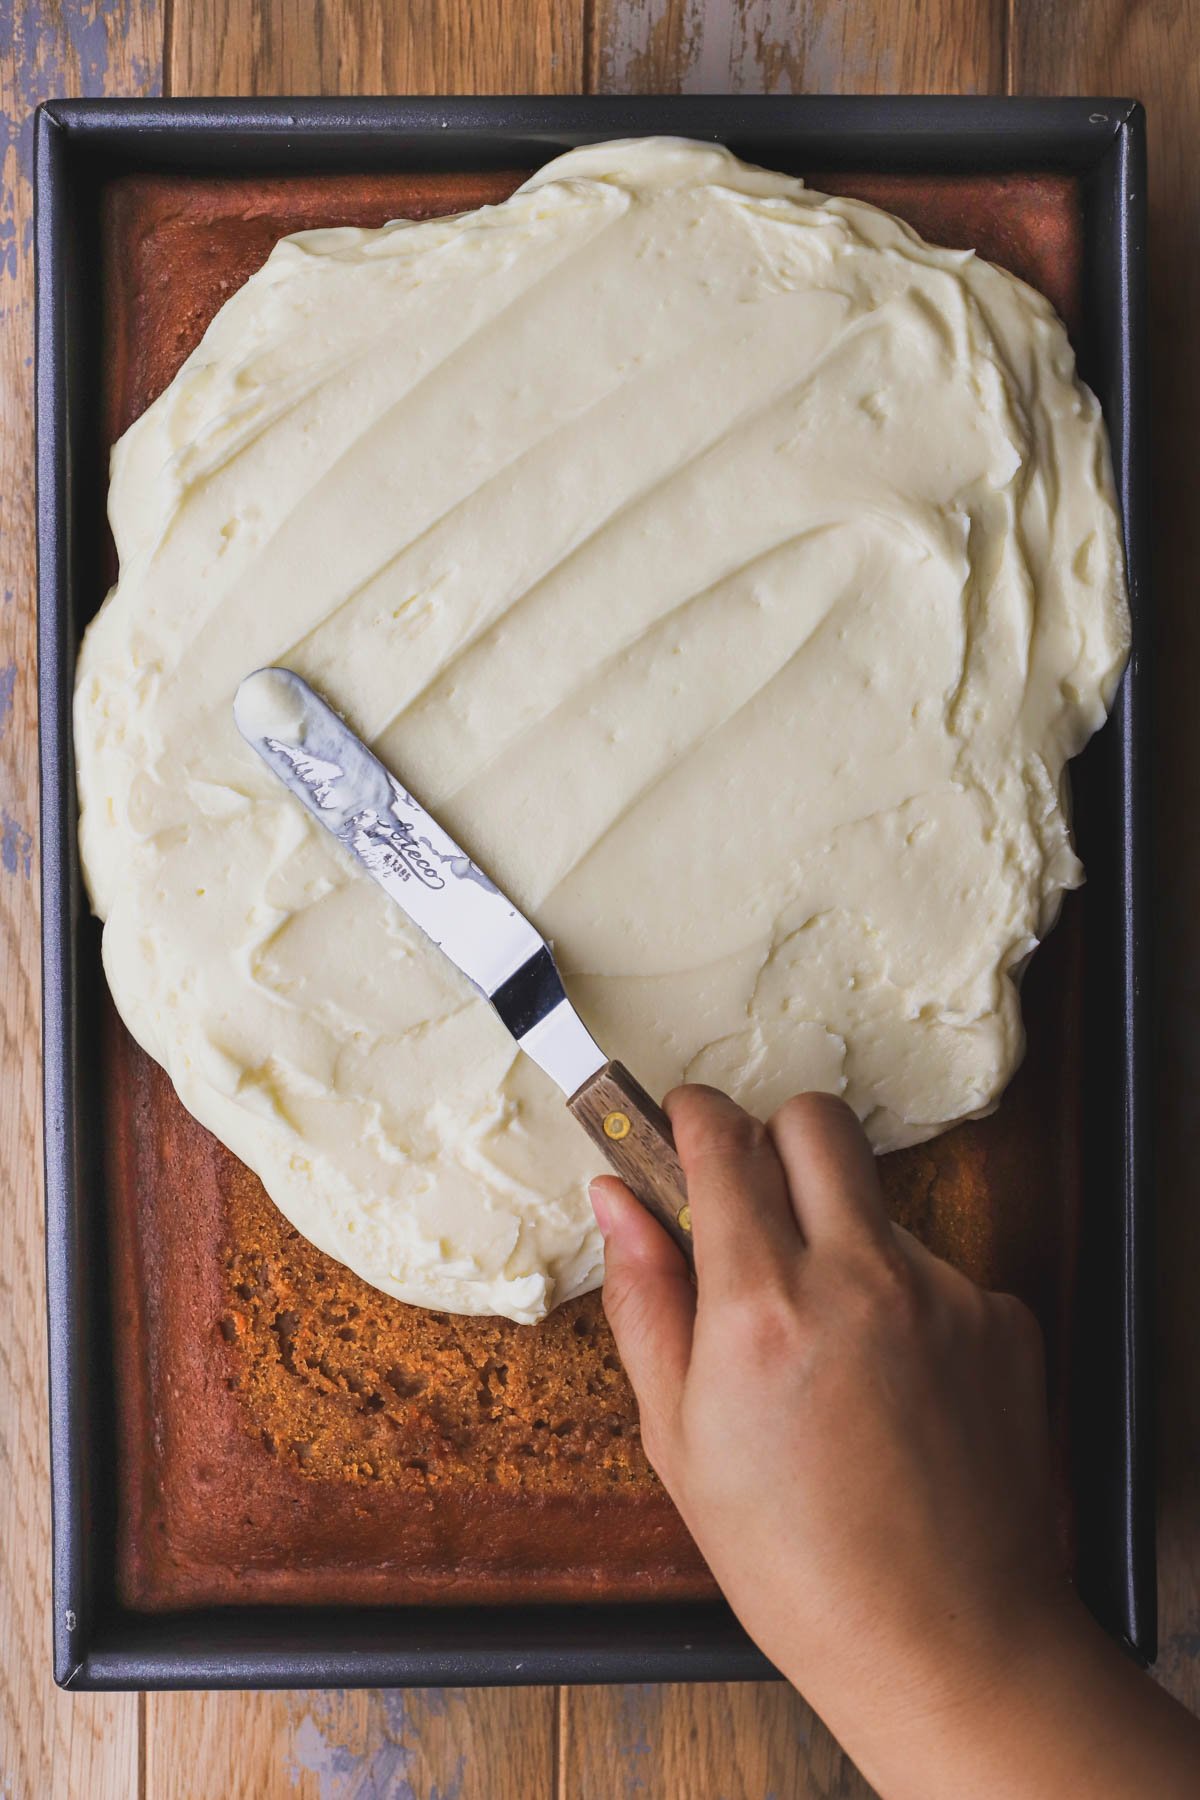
[441, 1744]
[718, 1741]
[1153, 51]
[796, 46]
[375, 47]
[86, 1745]
[755, 1739]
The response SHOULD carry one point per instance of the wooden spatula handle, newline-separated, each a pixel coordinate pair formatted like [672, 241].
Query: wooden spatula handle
[635, 1134]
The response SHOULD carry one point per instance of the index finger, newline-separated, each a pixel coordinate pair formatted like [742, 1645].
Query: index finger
[745, 1231]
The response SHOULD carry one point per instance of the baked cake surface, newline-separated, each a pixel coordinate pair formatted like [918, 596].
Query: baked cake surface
[285, 1431]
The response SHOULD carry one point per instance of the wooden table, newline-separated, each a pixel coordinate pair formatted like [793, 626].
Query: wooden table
[668, 1743]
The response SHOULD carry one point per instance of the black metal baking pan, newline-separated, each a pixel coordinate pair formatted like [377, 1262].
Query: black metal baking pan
[82, 144]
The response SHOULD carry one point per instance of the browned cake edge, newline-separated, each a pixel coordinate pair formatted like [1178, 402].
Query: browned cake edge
[264, 1455]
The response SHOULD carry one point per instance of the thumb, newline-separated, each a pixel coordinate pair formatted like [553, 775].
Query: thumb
[650, 1304]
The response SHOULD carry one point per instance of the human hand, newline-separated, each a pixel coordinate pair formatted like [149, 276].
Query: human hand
[856, 1437]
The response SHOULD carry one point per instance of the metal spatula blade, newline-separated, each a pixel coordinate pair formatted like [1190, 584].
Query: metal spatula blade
[400, 845]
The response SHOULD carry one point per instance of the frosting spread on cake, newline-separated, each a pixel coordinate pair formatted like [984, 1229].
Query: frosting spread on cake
[732, 572]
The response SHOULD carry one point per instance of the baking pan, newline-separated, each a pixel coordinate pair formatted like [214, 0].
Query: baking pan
[80, 147]
[235, 1438]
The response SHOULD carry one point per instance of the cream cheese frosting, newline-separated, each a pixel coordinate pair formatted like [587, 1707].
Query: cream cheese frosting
[732, 572]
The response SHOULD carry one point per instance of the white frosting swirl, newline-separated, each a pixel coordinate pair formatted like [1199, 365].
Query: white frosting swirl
[732, 572]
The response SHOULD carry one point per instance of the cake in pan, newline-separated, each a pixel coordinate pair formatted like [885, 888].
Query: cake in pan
[287, 1431]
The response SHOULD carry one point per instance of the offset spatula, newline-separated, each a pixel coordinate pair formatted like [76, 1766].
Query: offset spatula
[404, 849]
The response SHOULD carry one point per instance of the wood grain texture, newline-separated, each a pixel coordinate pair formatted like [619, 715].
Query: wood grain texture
[719, 1741]
[1151, 50]
[634, 1133]
[50, 1745]
[375, 47]
[451, 1744]
[796, 46]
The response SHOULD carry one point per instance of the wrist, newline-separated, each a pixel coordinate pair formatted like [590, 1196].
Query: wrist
[993, 1656]
[931, 1710]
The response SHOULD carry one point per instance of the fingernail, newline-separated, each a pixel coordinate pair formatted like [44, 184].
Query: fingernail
[600, 1207]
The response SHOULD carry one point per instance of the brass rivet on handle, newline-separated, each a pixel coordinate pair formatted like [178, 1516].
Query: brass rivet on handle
[617, 1125]
[683, 1218]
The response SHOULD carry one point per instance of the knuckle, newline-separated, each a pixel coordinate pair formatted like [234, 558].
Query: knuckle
[906, 1298]
[627, 1308]
[884, 1297]
[708, 1133]
[954, 1298]
[758, 1328]
[1018, 1320]
[619, 1289]
[966, 1312]
[814, 1109]
[886, 1300]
